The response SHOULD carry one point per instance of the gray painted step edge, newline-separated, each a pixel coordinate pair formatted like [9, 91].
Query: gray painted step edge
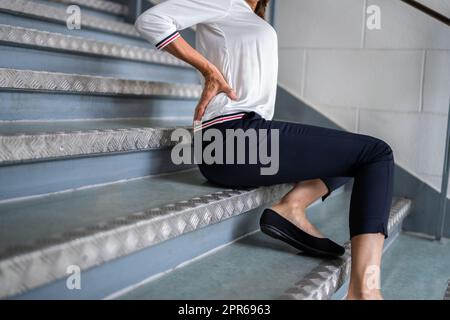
[324, 280]
[28, 267]
[36, 39]
[447, 292]
[29, 80]
[45, 12]
[100, 5]
[26, 147]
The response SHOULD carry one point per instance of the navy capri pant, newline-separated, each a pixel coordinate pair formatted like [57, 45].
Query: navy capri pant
[310, 152]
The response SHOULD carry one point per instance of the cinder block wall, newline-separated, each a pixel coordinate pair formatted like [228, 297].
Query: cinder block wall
[392, 83]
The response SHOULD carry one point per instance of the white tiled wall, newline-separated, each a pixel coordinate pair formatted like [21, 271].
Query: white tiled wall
[405, 27]
[291, 63]
[368, 79]
[307, 24]
[392, 83]
[436, 81]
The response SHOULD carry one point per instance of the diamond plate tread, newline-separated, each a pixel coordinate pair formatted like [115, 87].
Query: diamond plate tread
[324, 280]
[22, 141]
[447, 292]
[24, 267]
[61, 42]
[29, 80]
[101, 5]
[46, 12]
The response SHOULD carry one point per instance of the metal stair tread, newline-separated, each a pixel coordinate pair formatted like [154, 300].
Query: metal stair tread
[31, 80]
[33, 38]
[89, 227]
[27, 220]
[101, 5]
[51, 13]
[255, 267]
[29, 141]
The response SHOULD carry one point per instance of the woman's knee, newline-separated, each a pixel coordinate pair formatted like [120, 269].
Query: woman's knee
[382, 150]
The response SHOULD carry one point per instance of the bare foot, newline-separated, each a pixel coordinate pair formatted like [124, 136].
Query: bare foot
[297, 216]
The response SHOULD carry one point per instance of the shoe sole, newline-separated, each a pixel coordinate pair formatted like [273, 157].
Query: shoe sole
[276, 233]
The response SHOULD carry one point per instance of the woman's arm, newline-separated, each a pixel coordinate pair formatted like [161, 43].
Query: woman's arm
[214, 80]
[160, 25]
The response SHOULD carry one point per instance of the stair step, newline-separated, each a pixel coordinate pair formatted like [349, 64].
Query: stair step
[415, 268]
[258, 267]
[42, 236]
[84, 10]
[32, 38]
[21, 141]
[324, 281]
[59, 15]
[31, 49]
[44, 106]
[100, 5]
[30, 80]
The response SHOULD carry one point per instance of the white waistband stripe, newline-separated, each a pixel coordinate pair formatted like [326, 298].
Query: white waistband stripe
[220, 119]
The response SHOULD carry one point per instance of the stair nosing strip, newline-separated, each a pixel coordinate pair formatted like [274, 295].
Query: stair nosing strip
[124, 236]
[42, 11]
[21, 79]
[60, 42]
[26, 147]
[99, 5]
[325, 279]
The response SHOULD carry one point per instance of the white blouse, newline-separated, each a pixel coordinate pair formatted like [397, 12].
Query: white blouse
[230, 35]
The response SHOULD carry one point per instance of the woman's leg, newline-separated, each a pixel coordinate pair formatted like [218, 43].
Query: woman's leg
[293, 205]
[309, 152]
[365, 270]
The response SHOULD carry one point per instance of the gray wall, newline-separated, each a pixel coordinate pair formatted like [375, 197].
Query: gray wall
[392, 83]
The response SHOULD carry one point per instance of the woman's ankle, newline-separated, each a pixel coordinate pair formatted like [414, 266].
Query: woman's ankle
[296, 214]
[365, 296]
[289, 209]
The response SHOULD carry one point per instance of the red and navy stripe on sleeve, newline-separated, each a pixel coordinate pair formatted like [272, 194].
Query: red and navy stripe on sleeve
[164, 42]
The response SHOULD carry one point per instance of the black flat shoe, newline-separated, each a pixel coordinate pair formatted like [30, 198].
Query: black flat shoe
[274, 225]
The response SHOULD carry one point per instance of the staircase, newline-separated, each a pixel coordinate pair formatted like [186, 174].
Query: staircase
[86, 177]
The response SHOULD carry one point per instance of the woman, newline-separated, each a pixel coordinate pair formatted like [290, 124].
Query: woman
[236, 54]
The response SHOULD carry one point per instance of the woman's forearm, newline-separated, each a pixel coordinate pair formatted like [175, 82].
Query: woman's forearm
[214, 80]
[184, 51]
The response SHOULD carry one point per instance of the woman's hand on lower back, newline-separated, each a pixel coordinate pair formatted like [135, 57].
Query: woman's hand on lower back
[215, 83]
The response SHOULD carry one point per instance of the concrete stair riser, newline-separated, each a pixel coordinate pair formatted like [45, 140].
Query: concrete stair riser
[42, 106]
[44, 177]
